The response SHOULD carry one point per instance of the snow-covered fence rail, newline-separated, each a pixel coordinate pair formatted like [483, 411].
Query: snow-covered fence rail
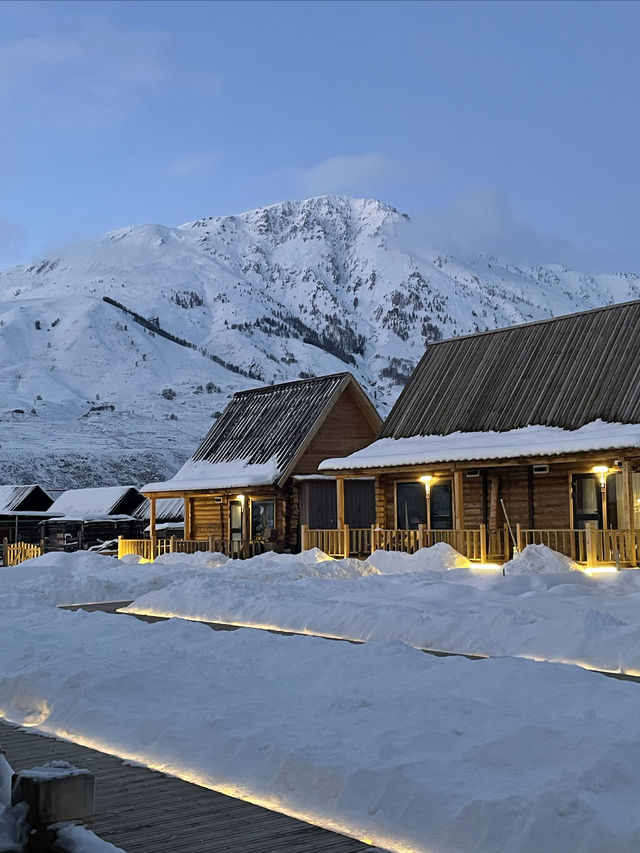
[18, 552]
[149, 549]
[331, 541]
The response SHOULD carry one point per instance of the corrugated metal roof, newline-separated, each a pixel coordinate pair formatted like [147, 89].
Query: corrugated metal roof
[272, 422]
[83, 502]
[167, 509]
[12, 496]
[564, 372]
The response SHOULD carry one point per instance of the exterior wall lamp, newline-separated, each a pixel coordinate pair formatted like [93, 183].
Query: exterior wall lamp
[603, 471]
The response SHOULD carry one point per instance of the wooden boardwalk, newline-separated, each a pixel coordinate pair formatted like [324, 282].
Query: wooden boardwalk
[143, 811]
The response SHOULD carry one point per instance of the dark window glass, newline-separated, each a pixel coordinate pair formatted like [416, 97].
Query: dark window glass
[441, 506]
[412, 505]
[262, 519]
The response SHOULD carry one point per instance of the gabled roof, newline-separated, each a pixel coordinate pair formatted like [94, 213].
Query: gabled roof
[262, 433]
[107, 500]
[564, 372]
[15, 498]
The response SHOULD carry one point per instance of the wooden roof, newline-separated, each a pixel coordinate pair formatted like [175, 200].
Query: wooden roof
[16, 498]
[566, 372]
[278, 421]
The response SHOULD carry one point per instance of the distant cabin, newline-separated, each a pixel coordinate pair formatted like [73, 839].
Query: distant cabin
[254, 478]
[88, 517]
[22, 508]
[540, 420]
[169, 516]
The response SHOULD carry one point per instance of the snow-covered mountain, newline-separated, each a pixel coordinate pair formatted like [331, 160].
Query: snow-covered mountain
[116, 354]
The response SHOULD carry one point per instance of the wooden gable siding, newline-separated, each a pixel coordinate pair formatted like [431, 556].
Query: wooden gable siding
[344, 430]
[564, 372]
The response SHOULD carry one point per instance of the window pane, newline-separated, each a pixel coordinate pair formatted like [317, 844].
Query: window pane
[262, 518]
[412, 505]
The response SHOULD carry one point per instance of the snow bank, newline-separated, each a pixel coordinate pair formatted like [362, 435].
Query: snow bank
[438, 557]
[538, 559]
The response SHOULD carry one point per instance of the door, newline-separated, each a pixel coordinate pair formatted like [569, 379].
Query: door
[235, 521]
[587, 500]
[359, 503]
[441, 509]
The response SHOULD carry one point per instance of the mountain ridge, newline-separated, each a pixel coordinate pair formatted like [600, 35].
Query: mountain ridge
[120, 347]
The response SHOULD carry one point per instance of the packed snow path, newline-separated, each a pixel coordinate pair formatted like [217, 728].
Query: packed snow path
[141, 811]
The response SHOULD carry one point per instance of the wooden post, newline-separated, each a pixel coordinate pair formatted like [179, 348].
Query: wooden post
[519, 537]
[483, 543]
[340, 501]
[212, 546]
[592, 553]
[422, 535]
[172, 545]
[187, 517]
[507, 543]
[628, 509]
[304, 537]
[152, 516]
[458, 500]
[346, 541]
[374, 537]
[120, 548]
[5, 552]
[494, 488]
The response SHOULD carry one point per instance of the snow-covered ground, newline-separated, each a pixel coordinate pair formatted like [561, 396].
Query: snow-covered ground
[539, 609]
[409, 751]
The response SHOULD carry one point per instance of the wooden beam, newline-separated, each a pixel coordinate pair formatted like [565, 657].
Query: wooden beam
[458, 500]
[494, 489]
[187, 517]
[340, 501]
[627, 495]
[152, 516]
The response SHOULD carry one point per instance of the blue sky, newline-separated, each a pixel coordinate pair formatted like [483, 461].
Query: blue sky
[505, 127]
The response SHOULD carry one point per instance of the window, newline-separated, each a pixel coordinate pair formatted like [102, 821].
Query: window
[262, 519]
[412, 505]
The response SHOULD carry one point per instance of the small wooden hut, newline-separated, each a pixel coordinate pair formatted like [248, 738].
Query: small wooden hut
[90, 517]
[536, 425]
[254, 479]
[22, 509]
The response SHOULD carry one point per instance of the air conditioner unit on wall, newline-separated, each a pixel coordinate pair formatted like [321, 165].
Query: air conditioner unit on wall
[540, 469]
[472, 473]
[218, 499]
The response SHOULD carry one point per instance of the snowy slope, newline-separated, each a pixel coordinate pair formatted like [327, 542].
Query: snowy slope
[285, 291]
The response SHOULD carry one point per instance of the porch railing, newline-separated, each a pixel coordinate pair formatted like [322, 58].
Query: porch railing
[588, 546]
[149, 549]
[18, 552]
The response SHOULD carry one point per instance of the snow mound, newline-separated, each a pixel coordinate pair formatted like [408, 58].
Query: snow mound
[440, 557]
[539, 560]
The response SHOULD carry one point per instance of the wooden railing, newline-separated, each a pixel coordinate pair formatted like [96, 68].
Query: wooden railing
[18, 552]
[149, 549]
[589, 546]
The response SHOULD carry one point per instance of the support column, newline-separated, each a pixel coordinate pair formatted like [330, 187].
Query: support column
[340, 502]
[458, 500]
[152, 517]
[628, 508]
[187, 517]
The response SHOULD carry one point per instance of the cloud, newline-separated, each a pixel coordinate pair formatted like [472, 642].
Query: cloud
[11, 234]
[193, 165]
[359, 173]
[94, 73]
[483, 221]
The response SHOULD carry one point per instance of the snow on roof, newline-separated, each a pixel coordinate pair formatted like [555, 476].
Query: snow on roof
[85, 502]
[12, 496]
[167, 509]
[467, 446]
[199, 474]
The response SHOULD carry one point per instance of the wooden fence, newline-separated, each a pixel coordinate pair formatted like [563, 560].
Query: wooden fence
[18, 552]
[590, 546]
[149, 549]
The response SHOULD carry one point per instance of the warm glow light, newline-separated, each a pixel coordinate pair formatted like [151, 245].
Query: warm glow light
[488, 567]
[240, 498]
[600, 570]
[273, 803]
[426, 479]
[602, 470]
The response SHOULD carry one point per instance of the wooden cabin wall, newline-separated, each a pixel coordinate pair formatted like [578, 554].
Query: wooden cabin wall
[552, 498]
[344, 431]
[208, 516]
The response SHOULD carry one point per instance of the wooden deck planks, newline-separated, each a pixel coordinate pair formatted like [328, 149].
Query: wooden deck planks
[143, 811]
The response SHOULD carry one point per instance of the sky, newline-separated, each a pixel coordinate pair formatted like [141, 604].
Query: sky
[507, 128]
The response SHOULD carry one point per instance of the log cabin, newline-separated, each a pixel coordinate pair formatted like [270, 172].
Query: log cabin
[253, 481]
[89, 517]
[22, 509]
[524, 435]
